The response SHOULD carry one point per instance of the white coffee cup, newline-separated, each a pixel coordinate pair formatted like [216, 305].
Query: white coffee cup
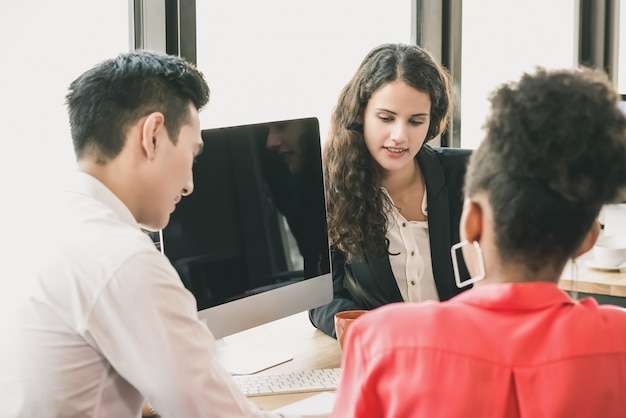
[613, 217]
[610, 250]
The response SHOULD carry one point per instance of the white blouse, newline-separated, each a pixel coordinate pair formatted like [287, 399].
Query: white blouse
[412, 266]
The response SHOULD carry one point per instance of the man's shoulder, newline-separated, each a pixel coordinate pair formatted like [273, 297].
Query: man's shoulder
[95, 244]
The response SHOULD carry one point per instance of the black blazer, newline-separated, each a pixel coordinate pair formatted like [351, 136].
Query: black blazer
[444, 171]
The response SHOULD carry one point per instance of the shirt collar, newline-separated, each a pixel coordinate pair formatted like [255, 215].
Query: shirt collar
[87, 185]
[515, 296]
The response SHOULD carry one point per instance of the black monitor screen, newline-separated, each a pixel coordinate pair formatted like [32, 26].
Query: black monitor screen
[256, 219]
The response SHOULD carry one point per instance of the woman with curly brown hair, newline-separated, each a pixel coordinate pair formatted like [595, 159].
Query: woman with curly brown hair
[515, 345]
[393, 202]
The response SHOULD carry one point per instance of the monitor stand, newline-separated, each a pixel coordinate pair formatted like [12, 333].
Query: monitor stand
[240, 359]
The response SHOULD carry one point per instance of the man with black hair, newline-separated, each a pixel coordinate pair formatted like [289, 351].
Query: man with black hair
[106, 323]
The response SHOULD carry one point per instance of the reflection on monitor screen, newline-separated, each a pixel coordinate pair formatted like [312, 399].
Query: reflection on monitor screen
[251, 241]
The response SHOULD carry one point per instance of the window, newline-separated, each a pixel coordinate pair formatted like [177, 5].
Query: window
[501, 40]
[47, 44]
[283, 59]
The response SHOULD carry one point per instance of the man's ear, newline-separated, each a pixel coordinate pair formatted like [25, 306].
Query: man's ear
[152, 131]
[590, 239]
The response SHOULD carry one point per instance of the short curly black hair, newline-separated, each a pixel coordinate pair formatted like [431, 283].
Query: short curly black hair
[553, 155]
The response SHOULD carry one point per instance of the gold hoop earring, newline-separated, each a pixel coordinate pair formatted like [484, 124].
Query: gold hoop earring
[455, 264]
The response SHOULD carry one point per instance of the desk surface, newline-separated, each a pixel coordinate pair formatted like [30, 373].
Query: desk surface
[591, 280]
[310, 348]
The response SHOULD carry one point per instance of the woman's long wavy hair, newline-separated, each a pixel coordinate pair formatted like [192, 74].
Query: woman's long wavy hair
[356, 207]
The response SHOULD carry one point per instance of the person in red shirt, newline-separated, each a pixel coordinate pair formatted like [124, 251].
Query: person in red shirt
[514, 345]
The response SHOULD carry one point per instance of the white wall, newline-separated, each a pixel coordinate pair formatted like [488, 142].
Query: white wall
[502, 39]
[264, 60]
[280, 59]
[46, 45]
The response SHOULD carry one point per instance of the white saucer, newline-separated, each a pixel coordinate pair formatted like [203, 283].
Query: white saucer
[595, 265]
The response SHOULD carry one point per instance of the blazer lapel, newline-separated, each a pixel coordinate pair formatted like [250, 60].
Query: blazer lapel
[379, 278]
[438, 221]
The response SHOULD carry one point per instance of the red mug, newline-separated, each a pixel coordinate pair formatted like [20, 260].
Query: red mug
[342, 322]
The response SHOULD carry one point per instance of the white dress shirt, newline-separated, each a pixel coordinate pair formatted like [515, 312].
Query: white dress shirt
[409, 248]
[106, 323]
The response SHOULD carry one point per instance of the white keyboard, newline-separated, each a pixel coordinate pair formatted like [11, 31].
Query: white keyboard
[291, 382]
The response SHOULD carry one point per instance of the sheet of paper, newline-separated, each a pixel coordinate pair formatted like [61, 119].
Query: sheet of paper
[316, 406]
[238, 359]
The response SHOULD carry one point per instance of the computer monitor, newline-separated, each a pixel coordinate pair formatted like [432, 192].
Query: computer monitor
[251, 241]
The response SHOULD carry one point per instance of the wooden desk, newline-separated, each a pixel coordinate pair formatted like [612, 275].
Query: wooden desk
[311, 349]
[593, 281]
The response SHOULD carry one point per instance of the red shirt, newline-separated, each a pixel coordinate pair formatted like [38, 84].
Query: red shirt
[498, 350]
